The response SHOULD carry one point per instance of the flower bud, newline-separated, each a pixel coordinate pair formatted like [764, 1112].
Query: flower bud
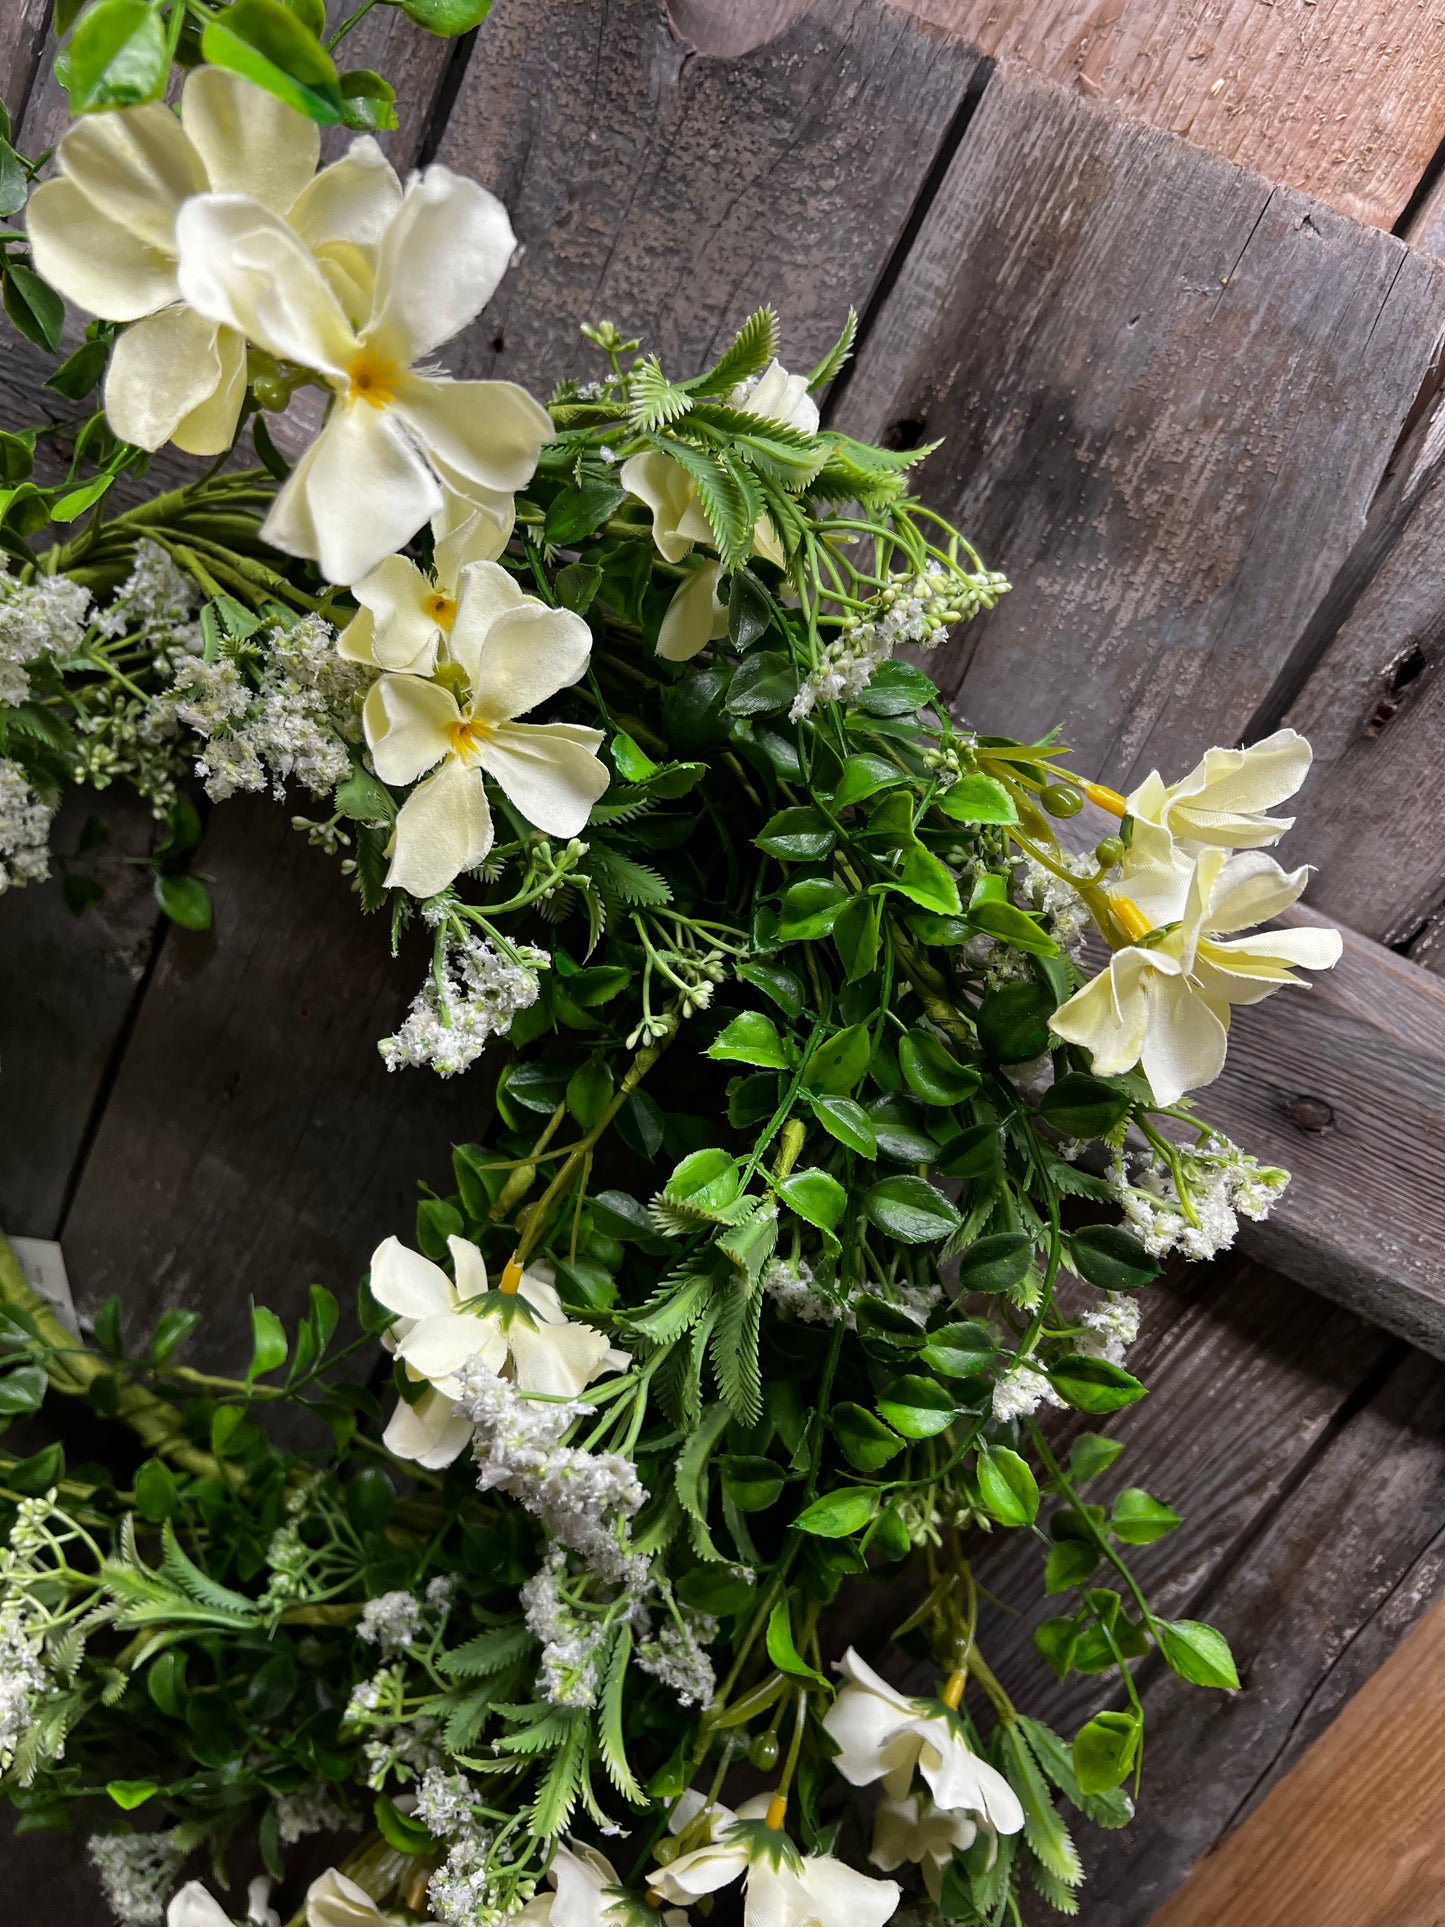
[763, 1753]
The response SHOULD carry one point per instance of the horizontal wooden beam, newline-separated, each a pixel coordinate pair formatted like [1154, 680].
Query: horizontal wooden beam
[1344, 1084]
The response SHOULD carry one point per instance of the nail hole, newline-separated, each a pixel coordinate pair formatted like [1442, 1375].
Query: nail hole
[1398, 677]
[904, 434]
[499, 344]
[1311, 1114]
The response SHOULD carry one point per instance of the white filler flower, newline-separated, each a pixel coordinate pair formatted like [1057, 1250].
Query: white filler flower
[370, 479]
[881, 1734]
[521, 1329]
[782, 1885]
[104, 234]
[1165, 1006]
[513, 653]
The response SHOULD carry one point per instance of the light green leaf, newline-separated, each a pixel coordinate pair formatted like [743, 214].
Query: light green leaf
[751, 1038]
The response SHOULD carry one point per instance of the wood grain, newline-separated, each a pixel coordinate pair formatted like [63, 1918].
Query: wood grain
[674, 192]
[1347, 1839]
[1168, 392]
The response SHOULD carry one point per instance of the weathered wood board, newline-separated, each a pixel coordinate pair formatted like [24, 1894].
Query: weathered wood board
[1168, 391]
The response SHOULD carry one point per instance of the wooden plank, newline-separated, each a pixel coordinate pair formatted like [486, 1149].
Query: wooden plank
[254, 1142]
[23, 27]
[1168, 392]
[674, 192]
[1338, 98]
[1345, 1085]
[1355, 1543]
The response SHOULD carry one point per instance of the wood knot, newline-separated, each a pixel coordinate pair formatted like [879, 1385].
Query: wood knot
[1311, 1114]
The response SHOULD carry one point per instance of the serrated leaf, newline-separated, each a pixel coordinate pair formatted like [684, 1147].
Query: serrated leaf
[823, 371]
[751, 349]
[611, 1744]
[734, 1353]
[654, 401]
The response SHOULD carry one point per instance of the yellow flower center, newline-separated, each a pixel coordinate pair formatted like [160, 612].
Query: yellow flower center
[511, 1277]
[442, 609]
[466, 737]
[372, 378]
[1130, 918]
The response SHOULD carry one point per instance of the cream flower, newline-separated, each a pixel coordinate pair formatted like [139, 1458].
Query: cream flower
[883, 1735]
[588, 1893]
[784, 1888]
[405, 613]
[334, 1900]
[1166, 1006]
[670, 492]
[194, 1906]
[513, 652]
[914, 1830]
[371, 478]
[104, 234]
[778, 397]
[520, 1331]
[695, 617]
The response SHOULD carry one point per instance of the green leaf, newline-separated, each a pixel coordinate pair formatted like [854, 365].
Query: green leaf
[34, 306]
[268, 1343]
[897, 689]
[931, 1070]
[751, 349]
[1111, 1258]
[960, 1350]
[824, 371]
[1091, 1454]
[173, 1328]
[77, 376]
[1198, 1653]
[406, 1835]
[867, 1442]
[782, 1648]
[1093, 1384]
[1104, 1809]
[751, 1038]
[1104, 1751]
[156, 1497]
[749, 609]
[799, 835]
[76, 501]
[264, 42]
[856, 937]
[810, 908]
[919, 1408]
[996, 1263]
[22, 1391]
[364, 798]
[775, 980]
[846, 1120]
[765, 683]
[117, 56]
[815, 1196]
[39, 1472]
[580, 510]
[976, 798]
[589, 1092]
[368, 103]
[838, 1515]
[487, 1653]
[1077, 1105]
[927, 881]
[1138, 1520]
[751, 1481]
[840, 1061]
[1007, 1486]
[864, 776]
[130, 1794]
[1069, 1564]
[898, 1125]
[185, 900]
[910, 1209]
[447, 17]
[1013, 1022]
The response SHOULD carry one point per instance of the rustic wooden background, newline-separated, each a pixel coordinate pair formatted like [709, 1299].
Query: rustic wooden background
[1165, 277]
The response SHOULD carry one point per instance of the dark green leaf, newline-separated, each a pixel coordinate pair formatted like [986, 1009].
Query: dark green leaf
[34, 306]
[840, 1061]
[1090, 1454]
[898, 1125]
[447, 17]
[814, 1196]
[910, 1209]
[268, 1343]
[776, 981]
[897, 689]
[838, 1515]
[864, 776]
[22, 1390]
[751, 1038]
[749, 610]
[996, 1263]
[960, 1350]
[1013, 1022]
[185, 900]
[1093, 1384]
[931, 1070]
[810, 908]
[751, 1482]
[368, 103]
[156, 1497]
[1111, 1258]
[173, 1328]
[856, 937]
[782, 1648]
[1138, 1520]
[1007, 1486]
[764, 684]
[1077, 1105]
[917, 1407]
[264, 42]
[867, 1442]
[846, 1120]
[580, 510]
[976, 798]
[1104, 1751]
[799, 835]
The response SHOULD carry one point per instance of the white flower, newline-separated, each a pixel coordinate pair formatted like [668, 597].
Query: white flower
[1166, 1006]
[370, 479]
[467, 999]
[914, 1830]
[105, 235]
[778, 397]
[24, 829]
[194, 1906]
[514, 652]
[136, 1871]
[406, 614]
[784, 1888]
[587, 1892]
[1021, 1392]
[695, 617]
[531, 1335]
[883, 1735]
[390, 1620]
[334, 1900]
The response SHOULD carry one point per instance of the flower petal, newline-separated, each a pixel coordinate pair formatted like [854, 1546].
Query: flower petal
[700, 1872]
[442, 256]
[781, 397]
[249, 142]
[164, 369]
[541, 1294]
[1251, 889]
[408, 721]
[837, 1895]
[86, 255]
[405, 1282]
[193, 1906]
[549, 770]
[695, 616]
[488, 432]
[469, 1268]
[352, 200]
[485, 592]
[668, 490]
[242, 265]
[399, 597]
[581, 1875]
[358, 493]
[1275, 953]
[1185, 1043]
[469, 531]
[443, 828]
[529, 653]
[1109, 1016]
[135, 165]
[557, 1360]
[431, 1432]
[437, 1347]
[336, 1901]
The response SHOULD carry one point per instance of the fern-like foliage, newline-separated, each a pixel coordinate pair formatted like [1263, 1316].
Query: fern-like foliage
[752, 348]
[654, 401]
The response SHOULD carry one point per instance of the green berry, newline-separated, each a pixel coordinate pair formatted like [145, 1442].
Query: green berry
[763, 1753]
[1108, 851]
[1061, 799]
[271, 392]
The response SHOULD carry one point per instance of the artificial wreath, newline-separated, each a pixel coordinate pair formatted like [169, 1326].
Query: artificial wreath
[825, 1154]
